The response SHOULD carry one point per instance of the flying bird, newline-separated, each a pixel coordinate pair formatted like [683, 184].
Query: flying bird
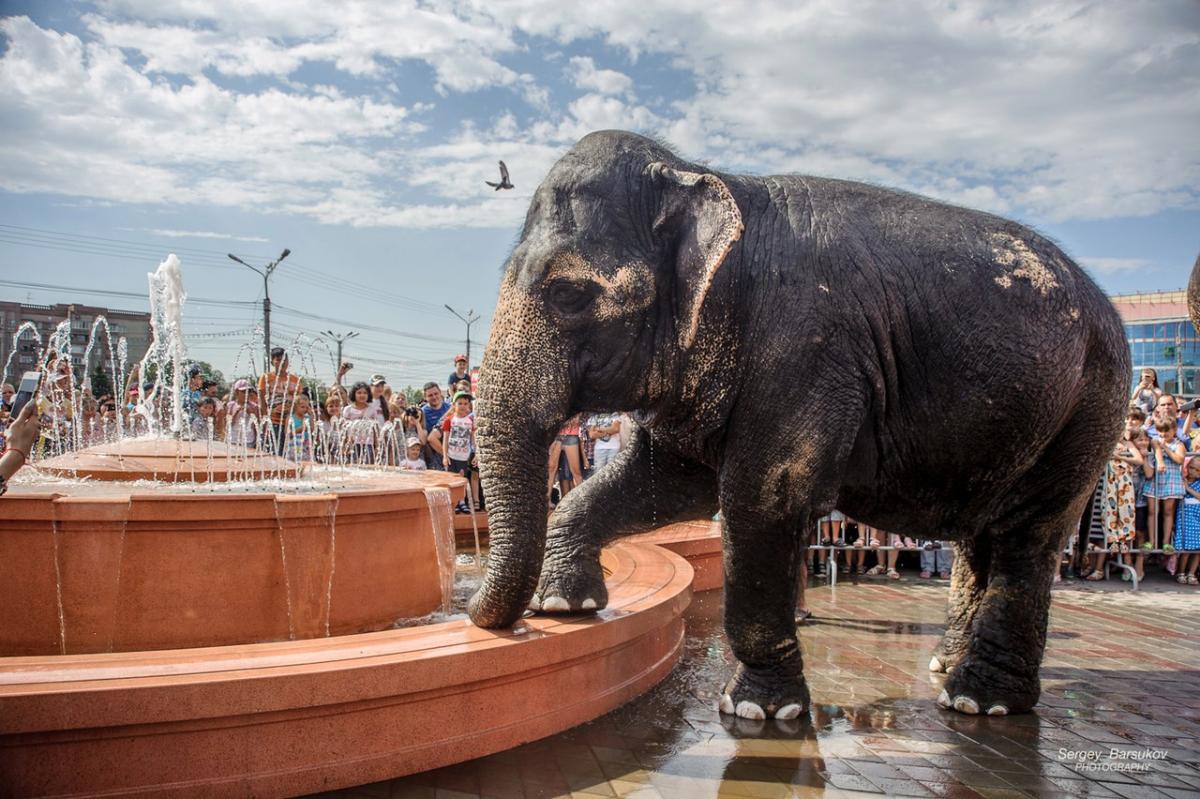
[503, 184]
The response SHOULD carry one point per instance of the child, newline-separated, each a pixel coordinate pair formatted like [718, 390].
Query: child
[1187, 525]
[1141, 479]
[241, 415]
[298, 446]
[413, 461]
[1167, 487]
[458, 431]
[202, 425]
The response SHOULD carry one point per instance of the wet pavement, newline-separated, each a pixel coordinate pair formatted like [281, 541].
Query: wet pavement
[1119, 714]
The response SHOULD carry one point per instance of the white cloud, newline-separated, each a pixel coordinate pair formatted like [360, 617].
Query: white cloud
[1055, 111]
[198, 234]
[583, 72]
[1109, 266]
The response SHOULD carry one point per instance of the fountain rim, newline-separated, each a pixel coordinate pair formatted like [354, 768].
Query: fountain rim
[647, 585]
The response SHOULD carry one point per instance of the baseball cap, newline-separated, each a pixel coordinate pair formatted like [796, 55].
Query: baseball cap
[412, 441]
[377, 379]
[462, 394]
[459, 357]
[241, 385]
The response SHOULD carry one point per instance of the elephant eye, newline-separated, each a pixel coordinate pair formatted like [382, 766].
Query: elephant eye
[571, 297]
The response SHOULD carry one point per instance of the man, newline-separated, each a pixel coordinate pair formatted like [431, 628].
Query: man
[459, 373]
[278, 389]
[209, 389]
[434, 409]
[604, 429]
[1168, 408]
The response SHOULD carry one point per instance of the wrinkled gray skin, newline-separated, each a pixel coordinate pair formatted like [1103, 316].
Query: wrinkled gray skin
[1193, 294]
[792, 344]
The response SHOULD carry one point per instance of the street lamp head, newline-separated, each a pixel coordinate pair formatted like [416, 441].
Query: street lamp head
[285, 254]
[233, 257]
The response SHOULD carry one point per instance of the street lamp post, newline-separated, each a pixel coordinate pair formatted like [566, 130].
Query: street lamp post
[338, 340]
[266, 276]
[469, 319]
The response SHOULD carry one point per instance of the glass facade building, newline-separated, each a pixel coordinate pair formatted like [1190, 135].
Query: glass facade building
[1163, 338]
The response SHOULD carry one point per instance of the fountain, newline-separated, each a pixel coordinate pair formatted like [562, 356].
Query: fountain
[197, 618]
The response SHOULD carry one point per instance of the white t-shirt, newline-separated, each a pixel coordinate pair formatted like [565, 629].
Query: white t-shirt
[458, 442]
[360, 431]
[413, 466]
[600, 420]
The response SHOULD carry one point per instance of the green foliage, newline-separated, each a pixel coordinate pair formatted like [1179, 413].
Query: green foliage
[101, 382]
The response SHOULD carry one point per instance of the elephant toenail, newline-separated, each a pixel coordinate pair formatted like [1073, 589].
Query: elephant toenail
[935, 664]
[588, 604]
[749, 710]
[965, 704]
[556, 604]
[997, 710]
[943, 698]
[726, 704]
[788, 712]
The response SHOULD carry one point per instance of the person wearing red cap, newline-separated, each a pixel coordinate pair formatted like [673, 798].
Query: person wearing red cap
[459, 373]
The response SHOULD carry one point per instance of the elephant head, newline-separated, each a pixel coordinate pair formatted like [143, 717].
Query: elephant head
[600, 302]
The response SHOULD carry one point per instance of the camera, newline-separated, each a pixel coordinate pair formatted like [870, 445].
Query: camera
[412, 411]
[1190, 406]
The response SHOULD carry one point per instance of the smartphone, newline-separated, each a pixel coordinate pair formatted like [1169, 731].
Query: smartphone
[28, 387]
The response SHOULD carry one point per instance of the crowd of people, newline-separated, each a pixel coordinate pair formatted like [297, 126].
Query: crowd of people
[1146, 508]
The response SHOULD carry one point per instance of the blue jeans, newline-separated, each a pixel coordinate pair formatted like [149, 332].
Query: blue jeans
[937, 560]
[602, 457]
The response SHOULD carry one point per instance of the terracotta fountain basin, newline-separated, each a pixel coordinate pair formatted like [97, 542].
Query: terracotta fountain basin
[288, 718]
[118, 566]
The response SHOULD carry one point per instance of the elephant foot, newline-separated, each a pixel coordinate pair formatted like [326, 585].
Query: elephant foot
[948, 654]
[754, 693]
[976, 687]
[575, 588]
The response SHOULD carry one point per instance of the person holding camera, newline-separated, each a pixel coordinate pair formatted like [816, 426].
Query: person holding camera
[20, 435]
[1146, 393]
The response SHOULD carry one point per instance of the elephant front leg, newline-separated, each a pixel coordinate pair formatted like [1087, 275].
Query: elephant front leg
[630, 495]
[762, 560]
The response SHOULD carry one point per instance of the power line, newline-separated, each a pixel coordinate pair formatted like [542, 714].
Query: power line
[305, 315]
[138, 251]
[115, 293]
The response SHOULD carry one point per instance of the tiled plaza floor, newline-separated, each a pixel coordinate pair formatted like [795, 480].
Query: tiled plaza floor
[1122, 675]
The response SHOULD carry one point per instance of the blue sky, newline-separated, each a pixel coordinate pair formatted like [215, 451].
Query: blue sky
[359, 135]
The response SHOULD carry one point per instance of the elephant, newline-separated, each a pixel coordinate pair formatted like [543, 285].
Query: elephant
[790, 345]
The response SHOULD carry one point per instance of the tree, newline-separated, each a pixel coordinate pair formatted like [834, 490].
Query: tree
[101, 382]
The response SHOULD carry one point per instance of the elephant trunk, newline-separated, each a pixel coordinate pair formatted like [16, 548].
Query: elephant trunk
[523, 391]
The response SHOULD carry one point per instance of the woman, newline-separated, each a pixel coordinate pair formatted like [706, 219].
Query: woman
[567, 443]
[363, 416]
[1146, 393]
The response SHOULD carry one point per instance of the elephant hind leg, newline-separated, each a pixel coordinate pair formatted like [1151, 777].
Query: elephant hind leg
[997, 672]
[968, 581]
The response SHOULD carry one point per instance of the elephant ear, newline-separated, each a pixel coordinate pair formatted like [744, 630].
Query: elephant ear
[698, 213]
